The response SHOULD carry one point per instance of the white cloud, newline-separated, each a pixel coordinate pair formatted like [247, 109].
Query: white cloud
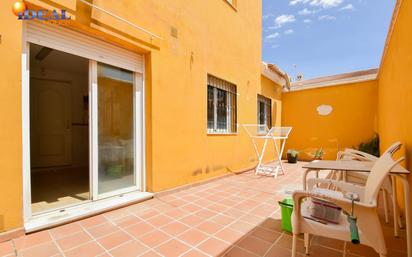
[307, 21]
[273, 36]
[348, 7]
[284, 19]
[326, 17]
[275, 46]
[269, 15]
[326, 3]
[289, 31]
[305, 11]
[295, 2]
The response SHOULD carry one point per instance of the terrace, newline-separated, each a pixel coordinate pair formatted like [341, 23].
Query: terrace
[236, 215]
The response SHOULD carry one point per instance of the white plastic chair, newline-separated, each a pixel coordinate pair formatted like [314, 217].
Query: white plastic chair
[370, 230]
[388, 186]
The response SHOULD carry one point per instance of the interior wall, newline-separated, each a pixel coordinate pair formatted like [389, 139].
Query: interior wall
[80, 128]
[395, 85]
[352, 121]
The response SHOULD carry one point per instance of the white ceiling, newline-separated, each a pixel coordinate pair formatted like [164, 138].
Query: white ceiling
[59, 61]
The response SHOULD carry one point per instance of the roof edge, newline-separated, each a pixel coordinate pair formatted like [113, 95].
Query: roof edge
[335, 80]
[272, 75]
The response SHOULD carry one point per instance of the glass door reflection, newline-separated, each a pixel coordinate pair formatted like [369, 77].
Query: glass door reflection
[116, 138]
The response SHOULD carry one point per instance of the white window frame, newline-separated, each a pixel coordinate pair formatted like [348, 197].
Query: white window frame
[229, 111]
[264, 99]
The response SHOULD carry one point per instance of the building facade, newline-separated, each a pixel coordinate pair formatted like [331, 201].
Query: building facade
[125, 98]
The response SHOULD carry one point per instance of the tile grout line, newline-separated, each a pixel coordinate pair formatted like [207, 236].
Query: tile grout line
[274, 243]
[55, 243]
[14, 247]
[132, 236]
[210, 235]
[93, 239]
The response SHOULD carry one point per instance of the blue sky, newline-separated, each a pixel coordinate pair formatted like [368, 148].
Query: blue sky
[325, 37]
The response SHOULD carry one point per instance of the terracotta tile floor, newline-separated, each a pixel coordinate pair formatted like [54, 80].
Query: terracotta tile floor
[234, 216]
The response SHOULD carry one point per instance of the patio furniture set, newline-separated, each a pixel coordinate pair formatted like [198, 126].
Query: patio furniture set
[347, 200]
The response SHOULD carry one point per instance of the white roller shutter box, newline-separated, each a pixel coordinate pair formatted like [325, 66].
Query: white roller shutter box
[73, 42]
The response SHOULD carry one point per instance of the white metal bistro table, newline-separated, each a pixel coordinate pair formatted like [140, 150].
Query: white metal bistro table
[350, 165]
[276, 135]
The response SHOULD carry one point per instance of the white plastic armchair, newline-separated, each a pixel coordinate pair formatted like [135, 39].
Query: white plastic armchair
[370, 230]
[352, 154]
[361, 177]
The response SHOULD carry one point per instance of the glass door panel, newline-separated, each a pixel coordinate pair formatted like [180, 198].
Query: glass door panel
[116, 137]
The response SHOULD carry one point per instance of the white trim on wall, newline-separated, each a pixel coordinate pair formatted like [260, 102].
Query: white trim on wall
[94, 126]
[25, 95]
[143, 162]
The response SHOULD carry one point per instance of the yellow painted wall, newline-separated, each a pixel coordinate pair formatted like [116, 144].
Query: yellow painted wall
[273, 91]
[11, 202]
[212, 38]
[395, 86]
[352, 121]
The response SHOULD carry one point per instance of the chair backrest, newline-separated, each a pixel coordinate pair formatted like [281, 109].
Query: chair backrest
[362, 154]
[349, 155]
[379, 171]
[393, 148]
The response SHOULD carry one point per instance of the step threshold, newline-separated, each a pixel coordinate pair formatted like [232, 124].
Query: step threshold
[84, 210]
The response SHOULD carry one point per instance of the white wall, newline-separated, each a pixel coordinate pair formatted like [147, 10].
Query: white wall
[79, 89]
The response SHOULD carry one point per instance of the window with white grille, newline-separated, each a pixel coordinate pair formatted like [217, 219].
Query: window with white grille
[221, 106]
[264, 111]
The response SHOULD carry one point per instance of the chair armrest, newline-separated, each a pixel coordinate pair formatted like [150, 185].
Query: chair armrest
[348, 187]
[344, 203]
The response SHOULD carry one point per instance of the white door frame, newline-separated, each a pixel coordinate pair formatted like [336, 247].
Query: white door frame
[140, 131]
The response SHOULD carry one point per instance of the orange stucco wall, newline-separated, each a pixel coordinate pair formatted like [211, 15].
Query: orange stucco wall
[212, 37]
[11, 183]
[273, 91]
[352, 121]
[395, 85]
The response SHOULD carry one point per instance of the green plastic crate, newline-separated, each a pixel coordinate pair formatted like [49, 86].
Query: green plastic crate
[286, 209]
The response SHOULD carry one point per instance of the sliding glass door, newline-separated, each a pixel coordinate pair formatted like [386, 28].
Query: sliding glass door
[116, 129]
